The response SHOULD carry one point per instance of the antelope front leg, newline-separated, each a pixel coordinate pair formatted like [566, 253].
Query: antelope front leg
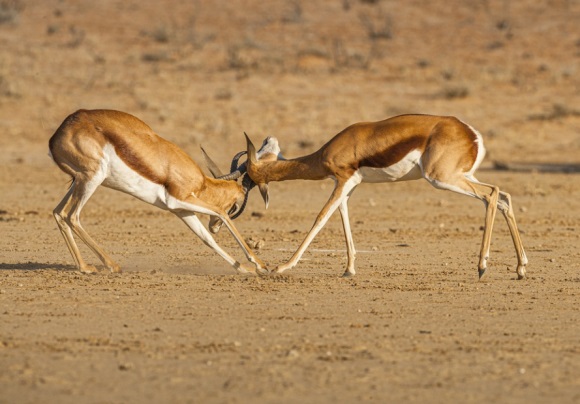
[253, 258]
[193, 222]
[186, 212]
[336, 198]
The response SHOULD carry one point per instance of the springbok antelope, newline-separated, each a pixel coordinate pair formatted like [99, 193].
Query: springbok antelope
[119, 151]
[443, 150]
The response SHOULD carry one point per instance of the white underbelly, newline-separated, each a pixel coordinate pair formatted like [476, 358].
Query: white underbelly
[123, 178]
[408, 168]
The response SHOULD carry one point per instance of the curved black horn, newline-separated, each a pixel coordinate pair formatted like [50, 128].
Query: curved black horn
[231, 176]
[247, 184]
[235, 171]
[235, 160]
[241, 209]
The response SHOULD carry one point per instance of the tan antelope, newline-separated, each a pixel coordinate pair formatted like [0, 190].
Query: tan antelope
[119, 151]
[443, 150]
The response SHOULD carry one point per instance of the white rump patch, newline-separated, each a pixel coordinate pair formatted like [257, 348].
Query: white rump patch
[406, 169]
[480, 148]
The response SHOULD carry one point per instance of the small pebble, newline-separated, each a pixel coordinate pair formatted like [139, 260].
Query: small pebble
[293, 353]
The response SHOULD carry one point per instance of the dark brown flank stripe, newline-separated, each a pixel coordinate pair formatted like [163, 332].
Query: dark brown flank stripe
[394, 154]
[126, 153]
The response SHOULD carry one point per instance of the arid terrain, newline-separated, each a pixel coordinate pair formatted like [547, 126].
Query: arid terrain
[179, 325]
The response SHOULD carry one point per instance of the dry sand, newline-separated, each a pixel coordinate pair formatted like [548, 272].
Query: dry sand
[178, 325]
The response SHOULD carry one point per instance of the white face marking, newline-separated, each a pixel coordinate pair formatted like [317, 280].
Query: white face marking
[269, 146]
[123, 178]
[406, 169]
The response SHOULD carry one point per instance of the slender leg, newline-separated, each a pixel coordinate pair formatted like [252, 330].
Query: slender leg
[485, 192]
[341, 191]
[260, 265]
[505, 207]
[67, 215]
[81, 194]
[350, 249]
[490, 201]
[195, 205]
[193, 222]
[66, 232]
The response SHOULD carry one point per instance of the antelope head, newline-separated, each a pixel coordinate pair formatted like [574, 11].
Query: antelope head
[270, 150]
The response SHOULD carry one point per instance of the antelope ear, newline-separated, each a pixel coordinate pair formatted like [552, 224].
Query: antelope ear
[265, 194]
[211, 166]
[252, 159]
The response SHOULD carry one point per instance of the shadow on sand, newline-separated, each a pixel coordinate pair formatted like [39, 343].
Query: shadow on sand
[535, 167]
[36, 266]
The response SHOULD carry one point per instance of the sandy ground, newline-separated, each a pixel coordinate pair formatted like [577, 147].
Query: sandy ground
[179, 325]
